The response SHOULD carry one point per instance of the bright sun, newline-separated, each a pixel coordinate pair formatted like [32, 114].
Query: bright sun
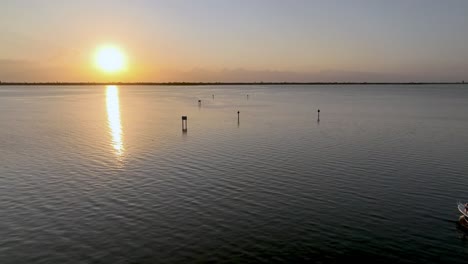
[110, 59]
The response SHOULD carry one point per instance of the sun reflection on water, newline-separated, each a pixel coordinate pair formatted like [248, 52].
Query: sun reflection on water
[113, 118]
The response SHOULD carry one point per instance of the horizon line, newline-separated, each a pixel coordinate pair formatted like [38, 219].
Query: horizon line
[225, 83]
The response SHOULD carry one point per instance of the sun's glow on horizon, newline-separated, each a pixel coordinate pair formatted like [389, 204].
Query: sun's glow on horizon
[113, 118]
[110, 59]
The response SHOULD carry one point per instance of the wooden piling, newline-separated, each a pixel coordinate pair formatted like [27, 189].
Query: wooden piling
[184, 123]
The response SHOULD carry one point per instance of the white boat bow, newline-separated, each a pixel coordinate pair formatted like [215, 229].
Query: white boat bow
[461, 208]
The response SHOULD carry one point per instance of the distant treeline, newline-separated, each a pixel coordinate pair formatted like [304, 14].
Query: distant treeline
[225, 83]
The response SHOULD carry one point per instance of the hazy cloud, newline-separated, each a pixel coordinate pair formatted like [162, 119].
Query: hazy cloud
[245, 75]
[30, 71]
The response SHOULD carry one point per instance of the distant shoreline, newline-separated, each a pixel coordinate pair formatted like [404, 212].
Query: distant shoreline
[221, 83]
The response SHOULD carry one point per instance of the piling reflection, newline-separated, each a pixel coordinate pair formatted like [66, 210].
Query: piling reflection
[113, 119]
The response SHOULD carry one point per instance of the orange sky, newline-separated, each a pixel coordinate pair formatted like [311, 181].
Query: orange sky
[236, 41]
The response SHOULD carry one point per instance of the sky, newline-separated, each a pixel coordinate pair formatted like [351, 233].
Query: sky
[237, 40]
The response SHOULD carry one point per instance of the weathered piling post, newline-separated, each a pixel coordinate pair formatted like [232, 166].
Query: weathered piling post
[199, 102]
[184, 123]
[247, 97]
[213, 96]
[238, 116]
[318, 115]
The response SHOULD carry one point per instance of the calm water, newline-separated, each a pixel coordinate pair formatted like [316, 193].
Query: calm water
[105, 174]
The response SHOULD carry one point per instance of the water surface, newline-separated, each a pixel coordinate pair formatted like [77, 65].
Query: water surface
[92, 174]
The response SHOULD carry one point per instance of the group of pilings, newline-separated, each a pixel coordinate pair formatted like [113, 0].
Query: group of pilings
[184, 122]
[184, 118]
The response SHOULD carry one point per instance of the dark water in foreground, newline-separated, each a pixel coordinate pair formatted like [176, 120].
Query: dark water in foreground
[105, 175]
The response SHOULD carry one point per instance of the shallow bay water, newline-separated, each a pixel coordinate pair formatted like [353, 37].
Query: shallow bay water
[104, 174]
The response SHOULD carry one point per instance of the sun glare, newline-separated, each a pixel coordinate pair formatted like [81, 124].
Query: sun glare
[110, 59]
[113, 118]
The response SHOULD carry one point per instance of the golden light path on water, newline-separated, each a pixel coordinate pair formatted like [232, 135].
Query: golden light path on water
[113, 118]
